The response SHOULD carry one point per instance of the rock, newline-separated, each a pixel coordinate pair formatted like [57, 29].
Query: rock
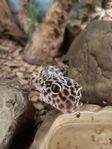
[16, 116]
[84, 12]
[8, 107]
[41, 133]
[90, 60]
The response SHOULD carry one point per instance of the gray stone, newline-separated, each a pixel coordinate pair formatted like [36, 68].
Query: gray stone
[16, 115]
[11, 106]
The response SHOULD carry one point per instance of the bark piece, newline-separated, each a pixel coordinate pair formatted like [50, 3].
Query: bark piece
[8, 26]
[22, 17]
[47, 38]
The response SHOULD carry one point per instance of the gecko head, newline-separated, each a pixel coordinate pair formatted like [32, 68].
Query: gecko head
[58, 90]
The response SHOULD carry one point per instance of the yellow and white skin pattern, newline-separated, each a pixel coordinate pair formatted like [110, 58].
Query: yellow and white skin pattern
[56, 89]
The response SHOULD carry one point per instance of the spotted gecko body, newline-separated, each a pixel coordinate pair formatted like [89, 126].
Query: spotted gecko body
[56, 89]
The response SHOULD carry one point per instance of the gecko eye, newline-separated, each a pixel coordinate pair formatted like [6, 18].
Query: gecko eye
[56, 88]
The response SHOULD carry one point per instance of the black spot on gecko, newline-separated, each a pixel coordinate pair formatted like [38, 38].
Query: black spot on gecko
[55, 79]
[78, 94]
[62, 97]
[57, 100]
[39, 80]
[66, 87]
[36, 81]
[68, 104]
[69, 83]
[42, 84]
[49, 98]
[48, 82]
[48, 90]
[53, 101]
[76, 86]
[33, 78]
[72, 88]
[65, 91]
[72, 98]
[72, 91]
[61, 106]
[49, 78]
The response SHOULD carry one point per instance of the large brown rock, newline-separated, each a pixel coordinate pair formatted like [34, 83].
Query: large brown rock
[90, 59]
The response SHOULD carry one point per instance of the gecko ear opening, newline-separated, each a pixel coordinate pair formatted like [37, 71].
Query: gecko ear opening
[55, 88]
